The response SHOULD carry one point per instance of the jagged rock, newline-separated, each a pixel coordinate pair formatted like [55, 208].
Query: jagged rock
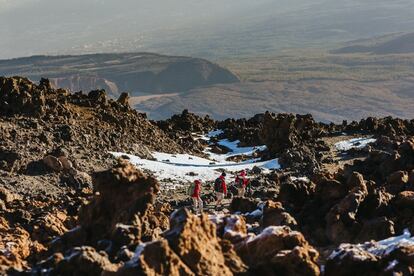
[394, 256]
[279, 251]
[194, 240]
[376, 229]
[246, 131]
[155, 258]
[124, 99]
[243, 205]
[352, 260]
[84, 261]
[180, 128]
[15, 247]
[286, 131]
[49, 227]
[230, 227]
[404, 200]
[397, 181]
[330, 189]
[341, 219]
[296, 193]
[20, 96]
[125, 195]
[274, 215]
[376, 203]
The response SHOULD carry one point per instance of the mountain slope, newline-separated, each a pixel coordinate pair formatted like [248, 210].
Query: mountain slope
[327, 100]
[401, 44]
[132, 72]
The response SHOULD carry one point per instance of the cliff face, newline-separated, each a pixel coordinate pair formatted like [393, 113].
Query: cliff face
[85, 83]
[135, 73]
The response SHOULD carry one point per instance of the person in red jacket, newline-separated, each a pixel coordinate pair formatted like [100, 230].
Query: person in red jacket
[196, 197]
[220, 188]
[241, 183]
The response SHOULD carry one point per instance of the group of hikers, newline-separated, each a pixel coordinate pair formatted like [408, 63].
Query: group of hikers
[220, 189]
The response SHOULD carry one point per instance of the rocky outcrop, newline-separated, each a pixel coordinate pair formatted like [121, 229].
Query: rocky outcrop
[181, 128]
[247, 131]
[393, 256]
[194, 240]
[86, 127]
[125, 197]
[279, 251]
[285, 131]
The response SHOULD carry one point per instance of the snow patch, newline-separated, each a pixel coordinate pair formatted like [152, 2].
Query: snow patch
[379, 249]
[181, 168]
[302, 179]
[174, 169]
[356, 143]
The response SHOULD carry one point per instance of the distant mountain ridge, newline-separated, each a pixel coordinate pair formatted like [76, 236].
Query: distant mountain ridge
[132, 72]
[401, 44]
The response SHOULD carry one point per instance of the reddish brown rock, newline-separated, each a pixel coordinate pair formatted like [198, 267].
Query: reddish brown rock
[155, 258]
[404, 200]
[125, 195]
[275, 215]
[341, 218]
[49, 227]
[243, 205]
[376, 229]
[84, 261]
[278, 250]
[397, 181]
[195, 241]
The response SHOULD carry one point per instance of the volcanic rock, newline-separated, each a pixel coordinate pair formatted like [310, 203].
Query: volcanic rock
[275, 215]
[154, 258]
[279, 251]
[125, 195]
[194, 239]
[243, 205]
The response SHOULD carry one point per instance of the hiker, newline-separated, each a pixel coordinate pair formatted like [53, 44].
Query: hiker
[195, 192]
[241, 183]
[220, 188]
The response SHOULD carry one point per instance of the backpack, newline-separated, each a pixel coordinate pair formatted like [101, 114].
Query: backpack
[218, 185]
[190, 189]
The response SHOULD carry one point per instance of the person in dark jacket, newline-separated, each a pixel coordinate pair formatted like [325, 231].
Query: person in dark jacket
[220, 188]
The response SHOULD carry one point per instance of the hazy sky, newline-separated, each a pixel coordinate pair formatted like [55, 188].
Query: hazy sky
[193, 27]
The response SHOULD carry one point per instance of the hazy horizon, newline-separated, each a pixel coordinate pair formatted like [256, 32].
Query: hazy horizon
[186, 27]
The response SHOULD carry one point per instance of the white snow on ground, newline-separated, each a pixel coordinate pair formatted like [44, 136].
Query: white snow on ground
[187, 168]
[303, 179]
[175, 169]
[380, 248]
[232, 146]
[358, 143]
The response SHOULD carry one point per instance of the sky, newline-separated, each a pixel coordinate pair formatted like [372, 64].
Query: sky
[190, 27]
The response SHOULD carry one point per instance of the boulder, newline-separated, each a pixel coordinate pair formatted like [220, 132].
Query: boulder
[84, 261]
[275, 215]
[125, 196]
[154, 258]
[195, 241]
[243, 205]
[376, 229]
[397, 181]
[279, 251]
